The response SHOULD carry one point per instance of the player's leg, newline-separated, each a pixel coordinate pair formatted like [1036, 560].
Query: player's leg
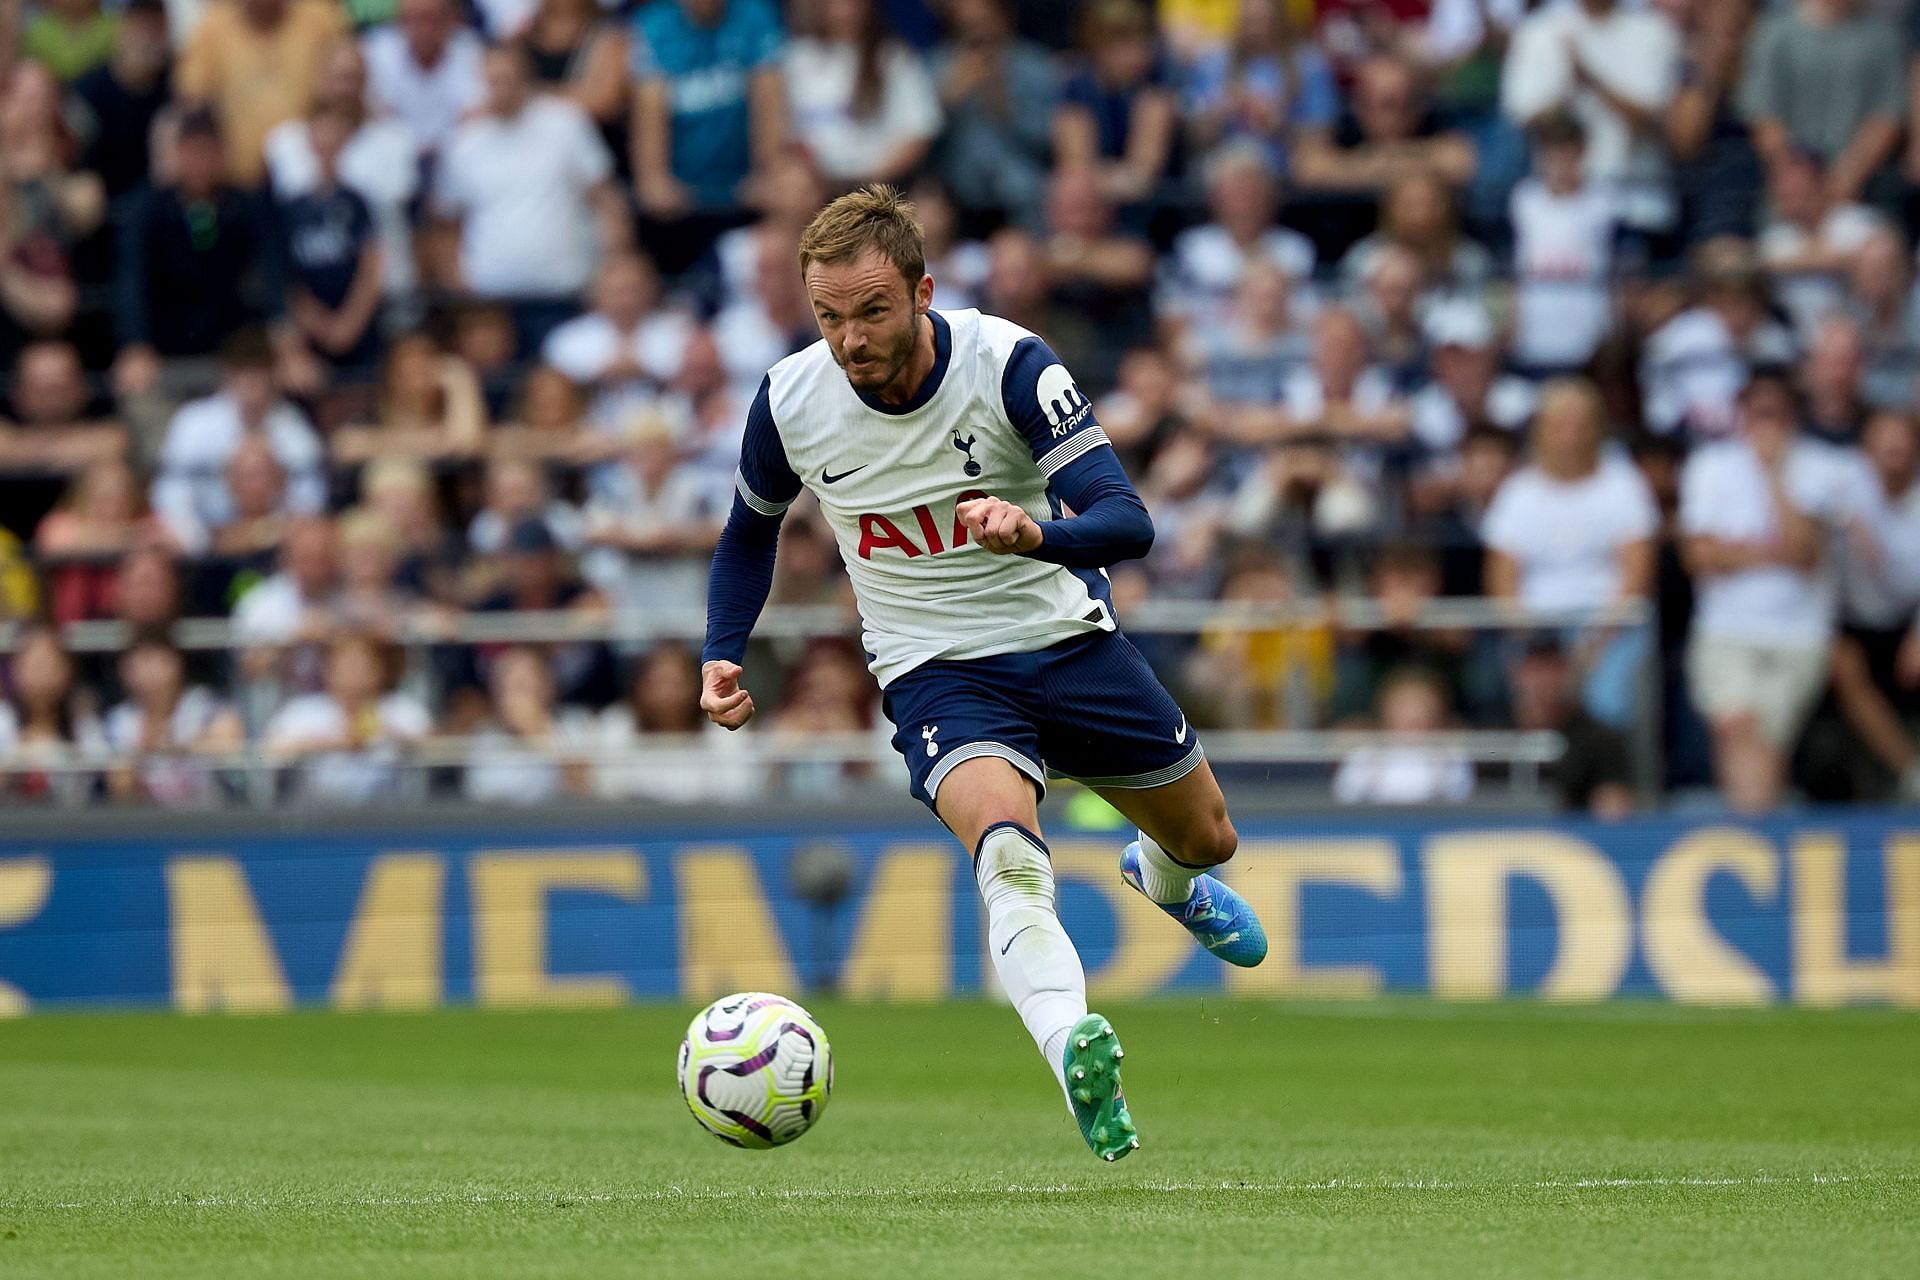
[993, 808]
[1113, 726]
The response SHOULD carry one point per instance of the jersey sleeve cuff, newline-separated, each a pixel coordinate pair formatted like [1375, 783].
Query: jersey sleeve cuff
[1072, 447]
[754, 500]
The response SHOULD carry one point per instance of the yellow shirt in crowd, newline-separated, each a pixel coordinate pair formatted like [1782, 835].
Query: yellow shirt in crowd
[257, 79]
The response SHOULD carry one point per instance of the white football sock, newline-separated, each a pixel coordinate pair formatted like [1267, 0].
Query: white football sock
[1164, 879]
[1038, 967]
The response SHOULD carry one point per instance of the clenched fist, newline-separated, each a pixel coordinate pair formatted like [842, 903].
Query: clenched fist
[999, 526]
[721, 697]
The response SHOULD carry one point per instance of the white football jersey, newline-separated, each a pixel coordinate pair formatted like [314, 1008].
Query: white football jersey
[998, 415]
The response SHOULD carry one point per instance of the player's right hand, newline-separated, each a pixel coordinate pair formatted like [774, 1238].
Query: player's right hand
[721, 697]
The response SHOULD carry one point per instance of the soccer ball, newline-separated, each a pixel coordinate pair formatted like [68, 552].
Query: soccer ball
[755, 1070]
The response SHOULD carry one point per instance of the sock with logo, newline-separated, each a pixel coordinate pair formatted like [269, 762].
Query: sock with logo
[1163, 877]
[1038, 967]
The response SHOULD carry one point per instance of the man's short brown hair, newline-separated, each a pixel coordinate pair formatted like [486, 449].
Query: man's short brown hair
[877, 217]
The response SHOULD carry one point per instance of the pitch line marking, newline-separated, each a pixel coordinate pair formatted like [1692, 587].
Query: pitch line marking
[560, 1198]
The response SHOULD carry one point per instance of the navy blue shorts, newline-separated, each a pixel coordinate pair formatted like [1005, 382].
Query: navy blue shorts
[1089, 709]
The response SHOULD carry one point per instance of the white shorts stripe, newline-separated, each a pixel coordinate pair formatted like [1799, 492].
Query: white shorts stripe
[975, 750]
[1070, 448]
[755, 501]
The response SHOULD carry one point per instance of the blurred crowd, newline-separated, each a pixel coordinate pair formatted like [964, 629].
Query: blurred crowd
[354, 321]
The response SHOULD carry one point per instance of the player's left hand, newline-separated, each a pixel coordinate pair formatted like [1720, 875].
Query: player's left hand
[998, 525]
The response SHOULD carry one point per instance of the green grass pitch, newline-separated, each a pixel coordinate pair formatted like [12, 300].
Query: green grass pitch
[1379, 1140]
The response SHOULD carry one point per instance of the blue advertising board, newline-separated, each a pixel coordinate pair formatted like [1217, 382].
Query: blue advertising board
[1817, 908]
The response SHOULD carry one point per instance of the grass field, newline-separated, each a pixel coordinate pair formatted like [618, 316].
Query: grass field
[1394, 1139]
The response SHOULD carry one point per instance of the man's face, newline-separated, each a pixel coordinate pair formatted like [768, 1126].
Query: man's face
[1889, 444]
[507, 88]
[704, 13]
[49, 386]
[1386, 102]
[426, 25]
[869, 316]
[252, 392]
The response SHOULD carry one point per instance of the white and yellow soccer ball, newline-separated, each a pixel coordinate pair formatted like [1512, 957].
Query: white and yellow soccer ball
[755, 1069]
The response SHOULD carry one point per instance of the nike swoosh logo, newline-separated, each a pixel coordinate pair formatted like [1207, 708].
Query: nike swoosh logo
[827, 477]
[1181, 736]
[1017, 933]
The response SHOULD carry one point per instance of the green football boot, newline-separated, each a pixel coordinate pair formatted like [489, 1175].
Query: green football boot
[1092, 1058]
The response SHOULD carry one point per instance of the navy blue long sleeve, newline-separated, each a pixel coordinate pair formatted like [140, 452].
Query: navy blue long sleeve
[743, 560]
[742, 577]
[1110, 523]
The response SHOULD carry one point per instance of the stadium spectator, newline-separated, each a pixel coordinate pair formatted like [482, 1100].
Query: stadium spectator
[50, 743]
[1881, 302]
[1118, 115]
[401, 491]
[1564, 227]
[756, 330]
[1190, 508]
[651, 524]
[190, 490]
[257, 520]
[379, 160]
[1854, 119]
[534, 575]
[530, 751]
[281, 621]
[550, 424]
[336, 266]
[1405, 581]
[424, 70]
[1594, 773]
[958, 265]
[1019, 286]
[1206, 264]
[37, 149]
[1263, 88]
[654, 744]
[1246, 359]
[1811, 240]
[1718, 177]
[1695, 364]
[1388, 133]
[69, 37]
[147, 594]
[1407, 769]
[1876, 657]
[1341, 396]
[1098, 272]
[430, 408]
[1391, 307]
[828, 693]
[1143, 412]
[579, 54]
[37, 294]
[1616, 67]
[256, 63]
[347, 744]
[371, 597]
[114, 105]
[628, 342]
[517, 494]
[861, 101]
[997, 91]
[1449, 504]
[1832, 381]
[79, 544]
[1572, 532]
[1417, 215]
[788, 193]
[198, 263]
[48, 425]
[165, 722]
[1265, 674]
[1468, 391]
[1757, 511]
[709, 117]
[529, 183]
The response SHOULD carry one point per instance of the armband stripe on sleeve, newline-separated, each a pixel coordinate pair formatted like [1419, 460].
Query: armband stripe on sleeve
[755, 501]
[1072, 447]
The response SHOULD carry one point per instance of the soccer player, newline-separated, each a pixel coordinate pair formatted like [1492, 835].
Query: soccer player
[944, 449]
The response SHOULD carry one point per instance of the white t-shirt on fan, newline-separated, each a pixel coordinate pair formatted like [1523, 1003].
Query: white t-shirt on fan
[1566, 536]
[1563, 261]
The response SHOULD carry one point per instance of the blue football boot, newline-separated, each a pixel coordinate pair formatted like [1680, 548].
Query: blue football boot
[1218, 918]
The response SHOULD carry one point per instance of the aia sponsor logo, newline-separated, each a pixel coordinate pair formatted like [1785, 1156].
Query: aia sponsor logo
[917, 534]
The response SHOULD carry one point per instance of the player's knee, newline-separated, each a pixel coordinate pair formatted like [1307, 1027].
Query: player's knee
[1211, 843]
